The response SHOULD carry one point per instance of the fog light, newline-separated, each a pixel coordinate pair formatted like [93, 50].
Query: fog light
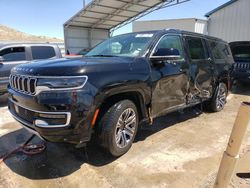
[52, 120]
[40, 123]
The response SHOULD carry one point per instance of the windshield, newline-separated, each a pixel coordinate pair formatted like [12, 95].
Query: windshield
[131, 45]
[241, 53]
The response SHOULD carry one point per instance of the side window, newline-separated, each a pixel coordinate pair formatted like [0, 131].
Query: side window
[13, 54]
[42, 52]
[196, 48]
[169, 43]
[219, 50]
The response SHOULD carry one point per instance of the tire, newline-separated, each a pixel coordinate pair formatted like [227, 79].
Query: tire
[115, 136]
[219, 99]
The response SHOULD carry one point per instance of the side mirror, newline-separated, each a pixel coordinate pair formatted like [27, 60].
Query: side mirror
[162, 54]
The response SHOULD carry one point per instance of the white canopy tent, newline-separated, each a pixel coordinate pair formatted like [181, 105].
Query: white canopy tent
[98, 19]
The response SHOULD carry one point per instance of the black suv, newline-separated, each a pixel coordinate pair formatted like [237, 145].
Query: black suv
[122, 81]
[241, 54]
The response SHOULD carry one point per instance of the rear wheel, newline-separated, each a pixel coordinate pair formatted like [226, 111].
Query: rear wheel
[119, 125]
[219, 99]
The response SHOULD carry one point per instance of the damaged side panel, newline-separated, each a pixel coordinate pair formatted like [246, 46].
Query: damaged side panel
[169, 90]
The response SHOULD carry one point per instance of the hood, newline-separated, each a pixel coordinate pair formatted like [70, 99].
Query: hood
[72, 67]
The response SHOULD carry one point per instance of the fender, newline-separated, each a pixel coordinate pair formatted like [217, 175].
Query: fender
[142, 91]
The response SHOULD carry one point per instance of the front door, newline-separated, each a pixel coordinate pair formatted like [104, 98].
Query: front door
[170, 78]
[11, 56]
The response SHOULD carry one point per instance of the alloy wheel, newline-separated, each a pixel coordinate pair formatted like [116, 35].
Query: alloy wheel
[125, 128]
[221, 97]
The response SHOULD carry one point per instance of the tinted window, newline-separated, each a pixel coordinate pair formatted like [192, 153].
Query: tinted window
[42, 52]
[241, 52]
[196, 48]
[13, 54]
[219, 50]
[171, 43]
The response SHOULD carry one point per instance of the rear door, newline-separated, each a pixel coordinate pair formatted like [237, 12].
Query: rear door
[222, 59]
[201, 69]
[43, 52]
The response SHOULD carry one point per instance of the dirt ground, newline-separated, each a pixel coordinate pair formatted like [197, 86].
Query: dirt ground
[180, 150]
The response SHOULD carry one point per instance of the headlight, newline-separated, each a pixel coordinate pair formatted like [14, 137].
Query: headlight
[60, 83]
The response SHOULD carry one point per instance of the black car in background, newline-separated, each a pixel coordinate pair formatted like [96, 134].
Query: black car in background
[13, 54]
[124, 80]
[241, 54]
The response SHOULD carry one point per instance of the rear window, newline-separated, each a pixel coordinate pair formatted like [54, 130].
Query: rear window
[42, 52]
[219, 50]
[196, 48]
[241, 53]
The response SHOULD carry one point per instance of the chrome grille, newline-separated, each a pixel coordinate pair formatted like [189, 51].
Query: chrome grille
[245, 66]
[23, 84]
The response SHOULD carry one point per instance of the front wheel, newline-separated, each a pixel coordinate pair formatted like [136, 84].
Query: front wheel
[119, 125]
[219, 99]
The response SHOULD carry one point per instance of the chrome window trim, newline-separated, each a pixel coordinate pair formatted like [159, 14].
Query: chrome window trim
[168, 34]
[68, 116]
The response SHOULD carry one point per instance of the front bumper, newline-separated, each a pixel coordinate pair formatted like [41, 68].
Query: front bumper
[58, 116]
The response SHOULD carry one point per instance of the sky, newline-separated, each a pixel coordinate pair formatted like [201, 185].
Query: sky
[46, 17]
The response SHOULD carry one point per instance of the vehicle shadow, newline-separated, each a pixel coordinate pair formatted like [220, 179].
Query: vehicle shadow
[167, 121]
[241, 89]
[243, 175]
[3, 100]
[59, 160]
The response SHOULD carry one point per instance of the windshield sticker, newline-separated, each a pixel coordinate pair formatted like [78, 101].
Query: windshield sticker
[144, 35]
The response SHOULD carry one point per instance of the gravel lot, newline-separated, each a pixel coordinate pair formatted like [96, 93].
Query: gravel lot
[182, 149]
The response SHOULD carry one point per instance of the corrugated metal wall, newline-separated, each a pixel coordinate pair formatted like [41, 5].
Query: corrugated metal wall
[231, 23]
[189, 24]
[78, 38]
[201, 27]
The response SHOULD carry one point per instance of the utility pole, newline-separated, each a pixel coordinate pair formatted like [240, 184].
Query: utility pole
[84, 3]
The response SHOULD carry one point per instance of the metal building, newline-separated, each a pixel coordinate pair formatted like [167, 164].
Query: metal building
[188, 24]
[99, 18]
[230, 21]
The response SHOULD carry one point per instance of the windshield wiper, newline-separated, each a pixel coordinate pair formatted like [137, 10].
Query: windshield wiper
[102, 55]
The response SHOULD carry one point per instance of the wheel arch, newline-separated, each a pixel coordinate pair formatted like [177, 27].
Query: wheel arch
[226, 79]
[134, 95]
